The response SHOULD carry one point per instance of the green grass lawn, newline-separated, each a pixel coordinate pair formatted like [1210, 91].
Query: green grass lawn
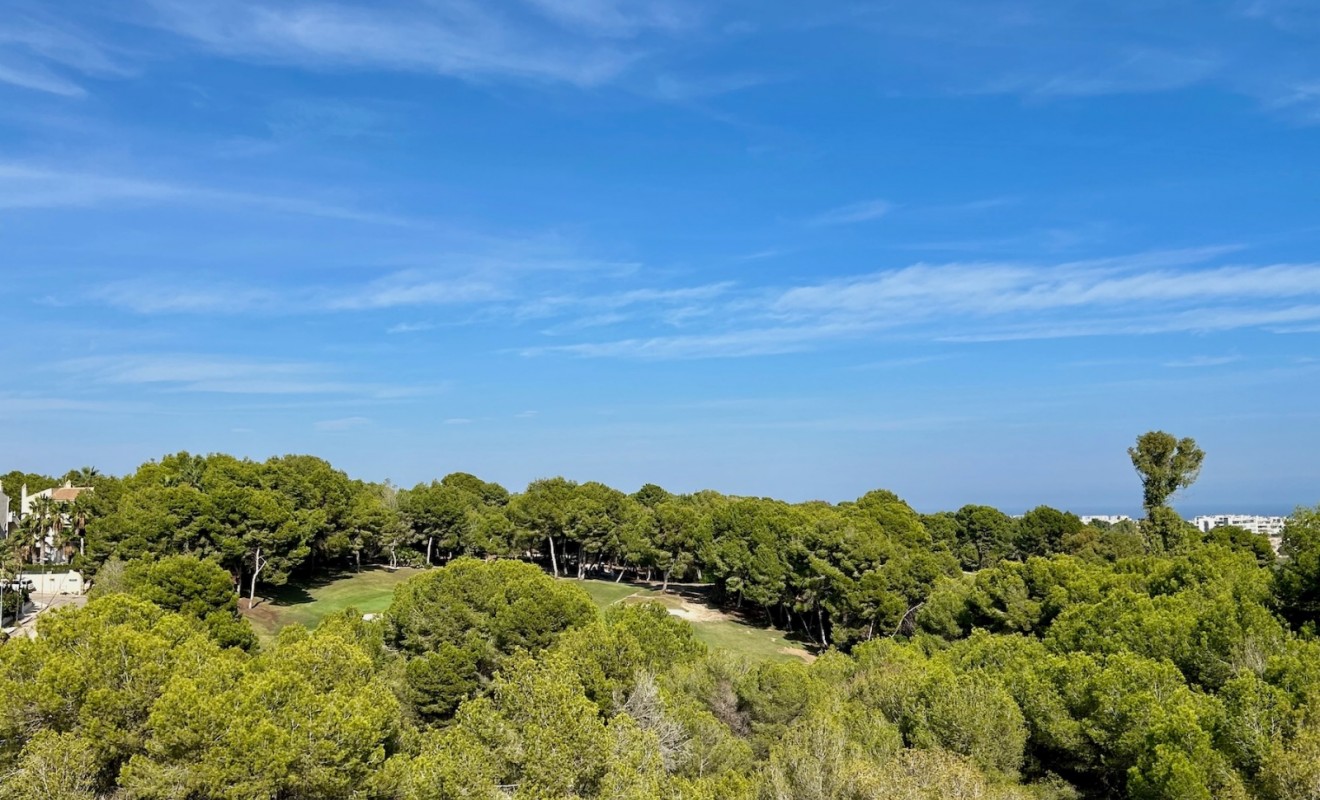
[369, 591]
[372, 590]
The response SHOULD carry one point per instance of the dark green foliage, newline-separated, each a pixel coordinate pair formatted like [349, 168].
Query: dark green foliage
[194, 587]
[1044, 531]
[1299, 572]
[464, 620]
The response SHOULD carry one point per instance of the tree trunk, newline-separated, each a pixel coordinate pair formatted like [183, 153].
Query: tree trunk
[820, 620]
[257, 564]
[664, 587]
[619, 575]
[554, 562]
[429, 540]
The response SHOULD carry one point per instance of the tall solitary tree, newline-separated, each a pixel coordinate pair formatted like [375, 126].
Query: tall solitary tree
[1165, 464]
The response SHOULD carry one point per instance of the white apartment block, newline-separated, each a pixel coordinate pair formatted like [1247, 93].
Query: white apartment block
[1112, 519]
[1268, 526]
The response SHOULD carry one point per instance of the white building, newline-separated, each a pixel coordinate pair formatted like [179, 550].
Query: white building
[60, 494]
[1267, 526]
[48, 547]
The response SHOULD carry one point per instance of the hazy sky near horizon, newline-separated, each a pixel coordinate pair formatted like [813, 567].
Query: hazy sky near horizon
[966, 250]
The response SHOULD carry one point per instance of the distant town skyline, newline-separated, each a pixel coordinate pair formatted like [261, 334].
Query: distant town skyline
[965, 251]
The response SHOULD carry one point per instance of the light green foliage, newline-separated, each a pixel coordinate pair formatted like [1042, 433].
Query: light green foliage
[662, 639]
[98, 670]
[310, 719]
[1292, 768]
[55, 765]
[1256, 716]
[451, 765]
[542, 727]
[993, 736]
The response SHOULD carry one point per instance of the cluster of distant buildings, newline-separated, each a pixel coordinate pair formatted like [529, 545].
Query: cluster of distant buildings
[1270, 527]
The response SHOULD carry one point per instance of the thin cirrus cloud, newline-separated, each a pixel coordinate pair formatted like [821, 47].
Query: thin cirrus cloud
[37, 54]
[1144, 294]
[38, 78]
[852, 213]
[222, 375]
[409, 288]
[579, 43]
[34, 186]
[1195, 362]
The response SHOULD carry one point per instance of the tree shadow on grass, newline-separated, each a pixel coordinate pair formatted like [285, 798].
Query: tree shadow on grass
[299, 591]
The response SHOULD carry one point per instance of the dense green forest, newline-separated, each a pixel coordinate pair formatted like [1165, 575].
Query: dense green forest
[965, 654]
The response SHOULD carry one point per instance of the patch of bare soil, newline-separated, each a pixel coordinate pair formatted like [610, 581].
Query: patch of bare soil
[798, 652]
[263, 615]
[696, 612]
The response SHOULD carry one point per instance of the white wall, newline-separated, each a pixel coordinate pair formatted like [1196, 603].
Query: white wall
[54, 582]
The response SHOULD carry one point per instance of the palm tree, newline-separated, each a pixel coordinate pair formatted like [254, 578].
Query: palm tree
[83, 476]
[49, 522]
[32, 530]
[190, 472]
[80, 512]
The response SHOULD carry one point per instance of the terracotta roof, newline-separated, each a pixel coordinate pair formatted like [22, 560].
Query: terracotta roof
[66, 494]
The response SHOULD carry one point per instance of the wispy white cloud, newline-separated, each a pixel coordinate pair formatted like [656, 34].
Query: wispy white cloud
[853, 213]
[1151, 293]
[684, 88]
[618, 18]
[752, 342]
[486, 274]
[38, 78]
[589, 43]
[29, 186]
[557, 304]
[410, 327]
[413, 288]
[223, 375]
[458, 421]
[1194, 362]
[1123, 71]
[38, 53]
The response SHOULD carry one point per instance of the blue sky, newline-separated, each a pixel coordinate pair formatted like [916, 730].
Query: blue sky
[964, 250]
